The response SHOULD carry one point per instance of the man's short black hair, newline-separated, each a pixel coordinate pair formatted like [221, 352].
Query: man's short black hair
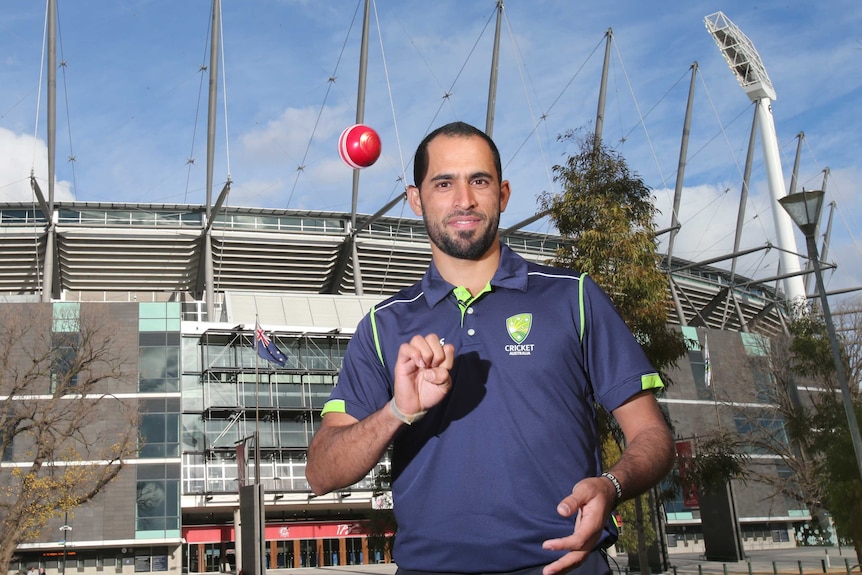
[420, 159]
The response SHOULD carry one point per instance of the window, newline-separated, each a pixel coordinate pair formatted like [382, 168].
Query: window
[788, 476]
[698, 359]
[316, 355]
[319, 386]
[151, 559]
[142, 563]
[191, 354]
[66, 317]
[159, 316]
[64, 373]
[160, 428]
[763, 430]
[158, 499]
[158, 362]
[65, 342]
[159, 347]
[193, 432]
[764, 385]
[755, 344]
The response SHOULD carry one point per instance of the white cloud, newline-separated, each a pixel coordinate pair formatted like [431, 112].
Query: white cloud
[19, 154]
[287, 137]
[135, 113]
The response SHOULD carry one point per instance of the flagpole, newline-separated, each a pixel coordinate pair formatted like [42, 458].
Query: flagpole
[256, 403]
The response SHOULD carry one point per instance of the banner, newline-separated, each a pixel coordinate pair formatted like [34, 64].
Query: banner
[240, 463]
[685, 459]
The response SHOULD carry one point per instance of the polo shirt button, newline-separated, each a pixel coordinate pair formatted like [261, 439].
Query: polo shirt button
[471, 331]
[469, 310]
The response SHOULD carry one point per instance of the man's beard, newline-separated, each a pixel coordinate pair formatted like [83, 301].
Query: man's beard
[463, 245]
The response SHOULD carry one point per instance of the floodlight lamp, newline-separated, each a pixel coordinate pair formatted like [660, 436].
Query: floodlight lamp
[804, 209]
[741, 56]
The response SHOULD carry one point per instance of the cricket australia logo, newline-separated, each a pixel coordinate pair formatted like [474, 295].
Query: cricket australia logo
[518, 327]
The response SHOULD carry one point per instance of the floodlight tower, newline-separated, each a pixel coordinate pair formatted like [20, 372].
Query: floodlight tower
[745, 62]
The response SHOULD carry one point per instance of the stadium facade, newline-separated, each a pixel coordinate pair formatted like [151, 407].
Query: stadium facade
[306, 278]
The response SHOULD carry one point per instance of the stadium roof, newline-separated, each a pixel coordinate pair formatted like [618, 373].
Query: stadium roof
[120, 251]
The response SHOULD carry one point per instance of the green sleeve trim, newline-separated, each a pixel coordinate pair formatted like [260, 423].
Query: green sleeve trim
[651, 381]
[376, 336]
[334, 405]
[581, 306]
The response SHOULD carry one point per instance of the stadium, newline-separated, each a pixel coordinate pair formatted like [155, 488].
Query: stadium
[202, 390]
[189, 292]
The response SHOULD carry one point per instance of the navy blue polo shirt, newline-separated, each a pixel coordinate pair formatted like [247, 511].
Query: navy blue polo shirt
[477, 481]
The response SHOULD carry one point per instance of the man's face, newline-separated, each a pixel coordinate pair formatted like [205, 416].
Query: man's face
[461, 196]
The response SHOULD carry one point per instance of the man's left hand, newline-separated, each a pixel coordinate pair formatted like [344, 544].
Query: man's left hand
[592, 499]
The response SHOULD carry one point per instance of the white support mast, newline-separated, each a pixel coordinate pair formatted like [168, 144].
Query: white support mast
[745, 62]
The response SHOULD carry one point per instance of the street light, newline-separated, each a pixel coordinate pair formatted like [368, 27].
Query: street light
[66, 529]
[804, 209]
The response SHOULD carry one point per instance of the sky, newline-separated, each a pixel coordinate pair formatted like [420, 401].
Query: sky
[132, 92]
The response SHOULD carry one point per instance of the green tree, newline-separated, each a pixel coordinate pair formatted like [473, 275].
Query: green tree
[607, 214]
[57, 372]
[716, 459]
[829, 434]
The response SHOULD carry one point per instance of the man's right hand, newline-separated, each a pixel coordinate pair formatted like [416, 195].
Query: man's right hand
[421, 371]
[344, 449]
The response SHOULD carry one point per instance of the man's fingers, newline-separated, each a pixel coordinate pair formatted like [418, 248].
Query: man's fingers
[565, 562]
[418, 351]
[421, 361]
[429, 352]
[437, 376]
[448, 356]
[434, 352]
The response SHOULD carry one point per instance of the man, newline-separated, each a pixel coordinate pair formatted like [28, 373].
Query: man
[484, 377]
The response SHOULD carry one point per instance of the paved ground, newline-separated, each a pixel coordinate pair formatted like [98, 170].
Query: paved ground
[795, 561]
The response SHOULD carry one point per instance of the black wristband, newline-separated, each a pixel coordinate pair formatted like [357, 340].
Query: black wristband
[617, 487]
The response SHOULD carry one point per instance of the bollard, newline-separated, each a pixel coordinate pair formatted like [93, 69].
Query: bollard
[774, 568]
[800, 567]
[724, 566]
[674, 570]
[700, 568]
[847, 565]
[828, 562]
[749, 567]
[823, 565]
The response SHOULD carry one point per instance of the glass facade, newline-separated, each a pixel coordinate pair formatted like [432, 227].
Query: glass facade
[157, 509]
[230, 396]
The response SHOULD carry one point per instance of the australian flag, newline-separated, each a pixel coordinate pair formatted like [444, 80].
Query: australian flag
[266, 348]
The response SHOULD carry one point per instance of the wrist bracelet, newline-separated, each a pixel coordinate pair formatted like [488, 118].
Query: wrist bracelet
[408, 419]
[616, 483]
